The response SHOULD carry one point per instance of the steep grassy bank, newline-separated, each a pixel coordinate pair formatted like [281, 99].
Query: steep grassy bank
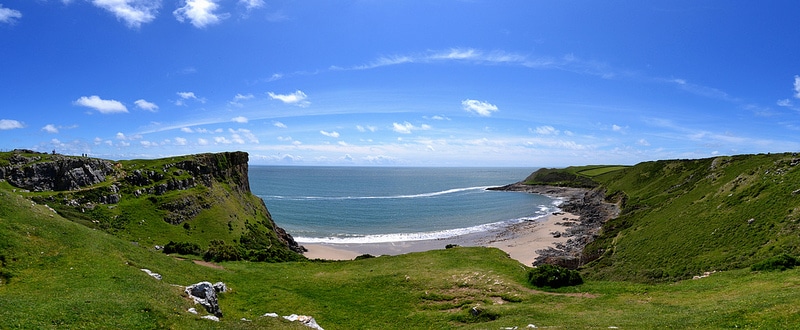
[683, 217]
[196, 199]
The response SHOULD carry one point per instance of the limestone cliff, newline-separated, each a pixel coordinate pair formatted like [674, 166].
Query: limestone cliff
[204, 197]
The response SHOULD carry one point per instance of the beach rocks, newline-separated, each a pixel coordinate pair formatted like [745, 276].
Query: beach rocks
[205, 294]
[593, 210]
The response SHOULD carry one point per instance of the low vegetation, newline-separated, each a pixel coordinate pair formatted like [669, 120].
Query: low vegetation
[731, 220]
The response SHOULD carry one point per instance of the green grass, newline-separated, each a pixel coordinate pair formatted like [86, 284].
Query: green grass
[683, 217]
[680, 218]
[67, 275]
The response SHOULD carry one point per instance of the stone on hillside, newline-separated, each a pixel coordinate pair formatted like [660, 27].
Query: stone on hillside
[205, 294]
[154, 275]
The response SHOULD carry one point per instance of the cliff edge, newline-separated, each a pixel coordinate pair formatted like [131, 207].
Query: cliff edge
[202, 201]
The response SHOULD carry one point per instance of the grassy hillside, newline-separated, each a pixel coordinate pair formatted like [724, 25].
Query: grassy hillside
[684, 217]
[193, 199]
[573, 176]
[59, 274]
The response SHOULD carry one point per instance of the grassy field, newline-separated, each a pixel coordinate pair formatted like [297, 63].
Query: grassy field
[680, 218]
[57, 273]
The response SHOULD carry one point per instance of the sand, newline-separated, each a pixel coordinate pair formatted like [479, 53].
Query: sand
[520, 241]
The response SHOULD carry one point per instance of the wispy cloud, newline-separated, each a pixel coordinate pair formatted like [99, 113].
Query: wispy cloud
[102, 106]
[407, 128]
[8, 15]
[133, 12]
[144, 105]
[239, 119]
[297, 98]
[50, 128]
[279, 124]
[6, 124]
[199, 13]
[483, 109]
[188, 96]
[333, 134]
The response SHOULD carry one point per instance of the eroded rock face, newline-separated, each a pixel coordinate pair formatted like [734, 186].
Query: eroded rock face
[59, 174]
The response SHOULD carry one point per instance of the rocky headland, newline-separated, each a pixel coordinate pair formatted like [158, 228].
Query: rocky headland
[111, 195]
[593, 211]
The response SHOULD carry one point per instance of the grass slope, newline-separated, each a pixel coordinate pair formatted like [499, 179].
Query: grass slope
[59, 274]
[683, 217]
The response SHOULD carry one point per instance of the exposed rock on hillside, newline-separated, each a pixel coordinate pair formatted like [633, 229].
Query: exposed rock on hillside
[57, 173]
[593, 210]
[179, 190]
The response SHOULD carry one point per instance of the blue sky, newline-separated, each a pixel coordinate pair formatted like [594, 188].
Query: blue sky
[410, 83]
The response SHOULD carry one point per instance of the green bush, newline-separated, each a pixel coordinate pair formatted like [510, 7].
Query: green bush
[365, 256]
[554, 276]
[780, 262]
[183, 248]
[218, 251]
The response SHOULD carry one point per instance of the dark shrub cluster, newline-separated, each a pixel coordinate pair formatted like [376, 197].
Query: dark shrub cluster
[183, 248]
[554, 276]
[780, 262]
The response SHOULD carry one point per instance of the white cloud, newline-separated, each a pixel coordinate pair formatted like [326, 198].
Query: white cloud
[438, 117]
[239, 119]
[643, 142]
[241, 134]
[102, 106]
[6, 124]
[186, 130]
[202, 142]
[546, 130]
[279, 124]
[797, 87]
[252, 4]
[366, 128]
[199, 12]
[333, 134]
[187, 95]
[407, 128]
[121, 136]
[297, 98]
[222, 140]
[50, 128]
[9, 16]
[616, 128]
[133, 12]
[144, 105]
[785, 103]
[284, 138]
[484, 109]
[180, 141]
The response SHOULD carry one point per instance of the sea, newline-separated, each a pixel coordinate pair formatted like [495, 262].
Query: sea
[351, 205]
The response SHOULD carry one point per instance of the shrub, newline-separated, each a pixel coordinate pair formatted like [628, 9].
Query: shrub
[183, 248]
[218, 250]
[780, 262]
[365, 256]
[450, 246]
[554, 276]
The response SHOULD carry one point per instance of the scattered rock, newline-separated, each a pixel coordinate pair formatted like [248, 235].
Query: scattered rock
[205, 294]
[210, 317]
[154, 275]
[192, 310]
[304, 320]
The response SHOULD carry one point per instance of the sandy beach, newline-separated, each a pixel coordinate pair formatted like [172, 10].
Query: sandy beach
[521, 241]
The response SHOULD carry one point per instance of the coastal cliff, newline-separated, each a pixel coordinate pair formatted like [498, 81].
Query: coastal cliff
[199, 200]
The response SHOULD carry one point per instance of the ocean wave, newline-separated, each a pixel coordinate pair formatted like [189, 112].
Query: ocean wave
[423, 195]
[421, 236]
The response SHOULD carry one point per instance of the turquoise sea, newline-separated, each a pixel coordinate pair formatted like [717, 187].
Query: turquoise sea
[383, 204]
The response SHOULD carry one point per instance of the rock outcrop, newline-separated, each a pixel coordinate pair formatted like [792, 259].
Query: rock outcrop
[593, 210]
[205, 294]
[57, 173]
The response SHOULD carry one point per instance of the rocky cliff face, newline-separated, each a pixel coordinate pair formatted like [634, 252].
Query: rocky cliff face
[54, 172]
[180, 188]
